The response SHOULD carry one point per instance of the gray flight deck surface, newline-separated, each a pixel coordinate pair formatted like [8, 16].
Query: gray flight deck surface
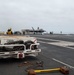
[56, 52]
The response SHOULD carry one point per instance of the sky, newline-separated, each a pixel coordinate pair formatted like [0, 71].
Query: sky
[50, 15]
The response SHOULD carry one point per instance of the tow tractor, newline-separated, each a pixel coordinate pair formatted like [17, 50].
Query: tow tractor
[18, 46]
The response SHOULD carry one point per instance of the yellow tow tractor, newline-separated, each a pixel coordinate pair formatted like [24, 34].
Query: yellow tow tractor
[9, 32]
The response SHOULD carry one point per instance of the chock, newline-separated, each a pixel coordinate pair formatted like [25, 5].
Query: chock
[63, 70]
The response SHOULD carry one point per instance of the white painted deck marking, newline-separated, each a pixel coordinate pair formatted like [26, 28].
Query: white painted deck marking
[65, 44]
[62, 44]
[48, 39]
[63, 63]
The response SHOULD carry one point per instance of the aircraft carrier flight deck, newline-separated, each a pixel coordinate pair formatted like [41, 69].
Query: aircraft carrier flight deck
[57, 51]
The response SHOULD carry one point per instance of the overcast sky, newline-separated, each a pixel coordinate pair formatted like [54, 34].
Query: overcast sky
[51, 15]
